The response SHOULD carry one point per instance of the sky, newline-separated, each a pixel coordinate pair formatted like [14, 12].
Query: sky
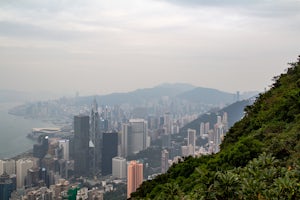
[100, 46]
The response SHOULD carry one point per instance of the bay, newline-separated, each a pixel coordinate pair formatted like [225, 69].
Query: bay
[13, 132]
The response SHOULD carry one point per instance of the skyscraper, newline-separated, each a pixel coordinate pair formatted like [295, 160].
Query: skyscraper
[119, 167]
[192, 140]
[6, 186]
[136, 136]
[95, 140]
[81, 145]
[167, 123]
[124, 140]
[22, 166]
[109, 151]
[134, 176]
[202, 129]
[64, 144]
[164, 161]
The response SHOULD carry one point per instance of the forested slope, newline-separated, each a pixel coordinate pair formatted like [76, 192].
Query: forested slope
[259, 157]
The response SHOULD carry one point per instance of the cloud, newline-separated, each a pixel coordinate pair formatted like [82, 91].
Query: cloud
[189, 41]
[261, 8]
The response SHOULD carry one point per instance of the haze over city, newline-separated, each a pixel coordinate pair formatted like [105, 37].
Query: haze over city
[100, 47]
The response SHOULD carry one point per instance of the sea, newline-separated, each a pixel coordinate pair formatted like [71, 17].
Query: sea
[13, 132]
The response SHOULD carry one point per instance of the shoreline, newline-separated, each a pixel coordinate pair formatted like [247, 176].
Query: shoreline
[26, 154]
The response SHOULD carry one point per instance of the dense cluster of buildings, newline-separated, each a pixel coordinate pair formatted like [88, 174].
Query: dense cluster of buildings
[96, 154]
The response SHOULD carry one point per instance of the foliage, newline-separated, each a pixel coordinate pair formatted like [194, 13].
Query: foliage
[259, 157]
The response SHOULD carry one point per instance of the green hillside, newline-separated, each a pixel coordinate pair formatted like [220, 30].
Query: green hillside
[259, 157]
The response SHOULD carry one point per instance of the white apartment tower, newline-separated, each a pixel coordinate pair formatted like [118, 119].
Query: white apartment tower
[192, 140]
[22, 165]
[164, 161]
[8, 166]
[64, 144]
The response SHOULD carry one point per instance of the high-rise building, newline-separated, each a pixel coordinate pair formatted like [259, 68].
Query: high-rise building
[134, 176]
[6, 186]
[168, 123]
[41, 149]
[202, 129]
[64, 145]
[109, 151]
[95, 140]
[164, 161]
[124, 140]
[119, 167]
[22, 166]
[81, 145]
[8, 166]
[32, 178]
[192, 140]
[206, 127]
[225, 121]
[218, 135]
[136, 136]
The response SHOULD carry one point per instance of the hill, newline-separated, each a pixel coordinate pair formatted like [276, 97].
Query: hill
[208, 96]
[259, 157]
[180, 91]
[235, 112]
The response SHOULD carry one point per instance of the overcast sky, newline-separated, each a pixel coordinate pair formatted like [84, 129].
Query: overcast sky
[104, 46]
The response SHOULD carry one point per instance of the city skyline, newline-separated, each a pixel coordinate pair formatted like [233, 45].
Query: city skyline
[101, 47]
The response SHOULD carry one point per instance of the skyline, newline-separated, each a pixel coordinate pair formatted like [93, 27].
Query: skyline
[101, 47]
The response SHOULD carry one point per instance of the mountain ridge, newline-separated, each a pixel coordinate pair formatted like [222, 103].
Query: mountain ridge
[259, 157]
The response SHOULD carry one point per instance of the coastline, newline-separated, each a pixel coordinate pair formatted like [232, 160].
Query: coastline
[14, 143]
[26, 154]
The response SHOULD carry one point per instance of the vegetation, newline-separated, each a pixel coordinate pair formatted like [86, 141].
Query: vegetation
[259, 157]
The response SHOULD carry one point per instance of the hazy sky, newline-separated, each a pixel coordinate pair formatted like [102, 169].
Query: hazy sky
[104, 46]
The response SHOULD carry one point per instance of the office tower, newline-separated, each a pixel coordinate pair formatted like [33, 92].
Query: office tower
[225, 122]
[167, 123]
[64, 145]
[41, 149]
[192, 140]
[22, 166]
[81, 145]
[119, 167]
[8, 166]
[98, 151]
[206, 127]
[164, 161]
[44, 176]
[136, 136]
[109, 151]
[32, 178]
[202, 129]
[124, 140]
[95, 140]
[134, 176]
[6, 186]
